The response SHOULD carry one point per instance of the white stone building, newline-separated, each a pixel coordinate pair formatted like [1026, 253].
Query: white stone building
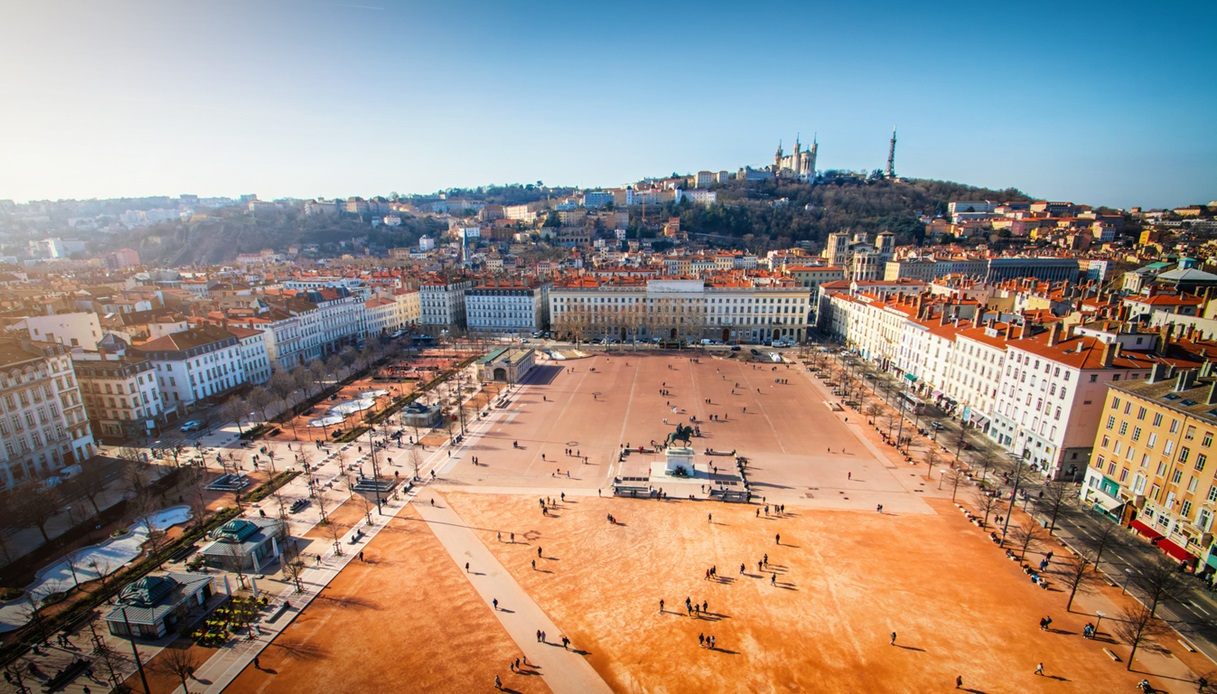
[194, 365]
[442, 302]
[505, 307]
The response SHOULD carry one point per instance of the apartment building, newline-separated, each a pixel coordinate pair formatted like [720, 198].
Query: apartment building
[121, 393]
[729, 308]
[43, 424]
[79, 329]
[409, 306]
[506, 307]
[1151, 467]
[1052, 392]
[194, 365]
[255, 360]
[442, 302]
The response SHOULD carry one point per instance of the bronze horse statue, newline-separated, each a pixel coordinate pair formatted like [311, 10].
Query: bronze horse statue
[682, 433]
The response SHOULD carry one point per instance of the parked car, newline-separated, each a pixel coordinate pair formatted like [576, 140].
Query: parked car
[192, 425]
[735, 348]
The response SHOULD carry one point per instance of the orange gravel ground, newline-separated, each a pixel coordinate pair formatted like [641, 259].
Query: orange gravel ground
[406, 620]
[845, 580]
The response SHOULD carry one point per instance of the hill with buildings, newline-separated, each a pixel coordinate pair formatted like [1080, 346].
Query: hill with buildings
[779, 214]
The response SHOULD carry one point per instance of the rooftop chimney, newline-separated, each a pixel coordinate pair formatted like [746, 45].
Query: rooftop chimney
[1212, 397]
[1185, 380]
[1054, 332]
[1157, 373]
[1111, 350]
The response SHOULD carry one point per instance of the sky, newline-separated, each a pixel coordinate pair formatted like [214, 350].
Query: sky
[1102, 103]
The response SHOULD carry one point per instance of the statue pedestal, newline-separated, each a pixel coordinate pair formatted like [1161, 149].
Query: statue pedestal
[679, 457]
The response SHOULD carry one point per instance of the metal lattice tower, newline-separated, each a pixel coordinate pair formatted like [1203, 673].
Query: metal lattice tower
[891, 156]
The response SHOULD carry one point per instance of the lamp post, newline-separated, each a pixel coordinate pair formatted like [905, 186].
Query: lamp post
[375, 472]
[139, 665]
[1018, 469]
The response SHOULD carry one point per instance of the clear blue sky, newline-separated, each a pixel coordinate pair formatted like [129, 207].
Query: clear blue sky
[1106, 103]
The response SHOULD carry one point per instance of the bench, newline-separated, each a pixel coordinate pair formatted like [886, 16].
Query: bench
[277, 612]
[1111, 655]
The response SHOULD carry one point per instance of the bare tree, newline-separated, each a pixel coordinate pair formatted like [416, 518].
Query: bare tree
[282, 384]
[179, 663]
[931, 457]
[1134, 625]
[1076, 573]
[236, 562]
[1159, 581]
[293, 568]
[416, 461]
[88, 484]
[235, 409]
[1099, 542]
[1055, 493]
[104, 652]
[1026, 535]
[260, 398]
[986, 504]
[33, 507]
[873, 410]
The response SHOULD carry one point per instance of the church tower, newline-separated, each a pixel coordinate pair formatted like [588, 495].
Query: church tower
[811, 158]
[777, 161]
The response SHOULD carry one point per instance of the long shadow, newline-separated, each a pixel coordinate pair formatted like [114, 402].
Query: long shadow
[1161, 676]
[787, 544]
[301, 650]
[910, 648]
[972, 691]
[347, 601]
[1058, 678]
[728, 651]
[508, 611]
[786, 586]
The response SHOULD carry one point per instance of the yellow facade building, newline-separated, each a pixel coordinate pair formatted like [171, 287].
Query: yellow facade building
[1154, 465]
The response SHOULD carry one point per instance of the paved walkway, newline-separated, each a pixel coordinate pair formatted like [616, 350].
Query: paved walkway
[563, 670]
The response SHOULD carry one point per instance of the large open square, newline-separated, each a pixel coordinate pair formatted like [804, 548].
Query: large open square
[456, 587]
[799, 450]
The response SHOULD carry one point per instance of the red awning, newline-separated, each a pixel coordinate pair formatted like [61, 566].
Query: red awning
[1175, 550]
[1145, 530]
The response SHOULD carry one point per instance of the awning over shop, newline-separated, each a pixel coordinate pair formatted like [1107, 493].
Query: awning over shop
[1175, 550]
[1108, 506]
[1145, 530]
[912, 378]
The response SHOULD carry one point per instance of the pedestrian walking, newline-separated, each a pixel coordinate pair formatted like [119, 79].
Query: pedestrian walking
[777, 539]
[1039, 669]
[538, 551]
[661, 606]
[538, 636]
[466, 567]
[498, 683]
[958, 681]
[893, 641]
[773, 579]
[534, 564]
[495, 602]
[362, 559]
[741, 568]
[701, 639]
[565, 643]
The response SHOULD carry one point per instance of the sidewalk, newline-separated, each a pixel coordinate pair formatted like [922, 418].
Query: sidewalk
[563, 670]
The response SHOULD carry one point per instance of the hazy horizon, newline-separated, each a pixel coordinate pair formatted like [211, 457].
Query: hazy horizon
[135, 98]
